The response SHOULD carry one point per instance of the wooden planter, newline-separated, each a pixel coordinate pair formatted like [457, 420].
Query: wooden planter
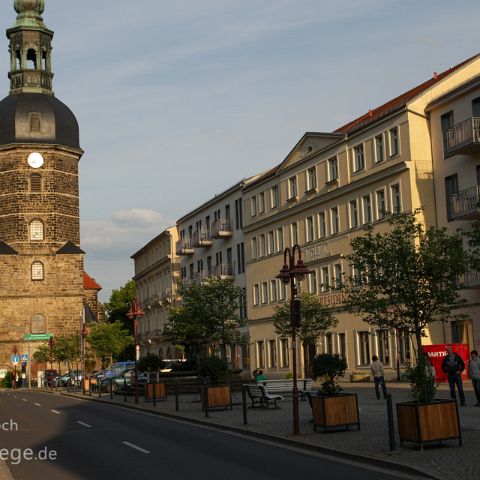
[218, 397]
[160, 391]
[359, 377]
[429, 422]
[333, 411]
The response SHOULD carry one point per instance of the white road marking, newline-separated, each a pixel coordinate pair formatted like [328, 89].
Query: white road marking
[37, 404]
[131, 445]
[24, 399]
[84, 424]
[56, 411]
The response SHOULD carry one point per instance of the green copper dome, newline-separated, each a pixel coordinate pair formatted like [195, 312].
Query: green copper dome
[29, 13]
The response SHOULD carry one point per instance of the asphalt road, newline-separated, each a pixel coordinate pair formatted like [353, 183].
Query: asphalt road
[94, 441]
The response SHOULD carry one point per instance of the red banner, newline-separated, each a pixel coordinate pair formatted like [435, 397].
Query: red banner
[436, 353]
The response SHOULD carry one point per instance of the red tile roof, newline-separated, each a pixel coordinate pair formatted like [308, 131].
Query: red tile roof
[89, 283]
[397, 103]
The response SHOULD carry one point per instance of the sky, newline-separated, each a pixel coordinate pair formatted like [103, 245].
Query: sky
[177, 101]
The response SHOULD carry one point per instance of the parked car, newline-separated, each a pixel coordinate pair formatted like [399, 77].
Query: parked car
[49, 378]
[70, 378]
[127, 379]
[172, 364]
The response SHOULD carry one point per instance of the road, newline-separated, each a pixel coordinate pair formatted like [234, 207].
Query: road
[94, 441]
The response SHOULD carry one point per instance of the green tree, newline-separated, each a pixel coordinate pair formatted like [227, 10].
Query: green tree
[407, 277]
[315, 320]
[150, 363]
[42, 355]
[108, 340]
[208, 316]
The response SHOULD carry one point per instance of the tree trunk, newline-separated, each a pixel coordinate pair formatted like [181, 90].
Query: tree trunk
[309, 352]
[418, 336]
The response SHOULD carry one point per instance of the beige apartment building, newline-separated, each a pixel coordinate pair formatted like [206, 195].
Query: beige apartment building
[156, 275]
[455, 139]
[328, 187]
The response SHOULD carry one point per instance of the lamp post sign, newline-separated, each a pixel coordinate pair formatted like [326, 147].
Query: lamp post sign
[15, 359]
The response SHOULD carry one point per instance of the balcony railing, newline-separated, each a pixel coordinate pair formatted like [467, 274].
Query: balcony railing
[464, 138]
[223, 271]
[199, 277]
[222, 228]
[471, 278]
[183, 247]
[201, 238]
[464, 204]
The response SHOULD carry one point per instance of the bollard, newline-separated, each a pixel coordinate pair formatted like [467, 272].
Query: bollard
[124, 389]
[111, 389]
[177, 406]
[99, 386]
[205, 398]
[244, 403]
[391, 425]
[154, 384]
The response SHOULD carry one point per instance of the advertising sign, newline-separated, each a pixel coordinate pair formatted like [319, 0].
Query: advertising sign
[436, 353]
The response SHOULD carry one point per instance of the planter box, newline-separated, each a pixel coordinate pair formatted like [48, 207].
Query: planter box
[430, 422]
[218, 397]
[160, 391]
[359, 377]
[333, 411]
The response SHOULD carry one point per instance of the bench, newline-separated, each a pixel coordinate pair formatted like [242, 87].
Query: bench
[258, 394]
[304, 385]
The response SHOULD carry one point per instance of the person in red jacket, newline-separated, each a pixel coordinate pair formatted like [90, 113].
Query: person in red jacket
[453, 366]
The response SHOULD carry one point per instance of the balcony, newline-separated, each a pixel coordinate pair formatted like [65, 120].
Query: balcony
[182, 247]
[224, 271]
[464, 138]
[463, 205]
[200, 277]
[221, 228]
[201, 239]
[471, 278]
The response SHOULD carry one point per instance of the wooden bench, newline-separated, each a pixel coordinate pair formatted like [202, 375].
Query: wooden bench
[304, 386]
[258, 394]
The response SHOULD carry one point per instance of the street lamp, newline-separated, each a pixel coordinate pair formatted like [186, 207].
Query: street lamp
[51, 342]
[291, 273]
[84, 334]
[134, 313]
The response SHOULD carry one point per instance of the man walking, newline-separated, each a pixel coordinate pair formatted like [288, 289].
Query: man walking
[474, 372]
[378, 376]
[453, 366]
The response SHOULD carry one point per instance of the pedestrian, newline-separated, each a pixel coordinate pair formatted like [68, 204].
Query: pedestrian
[429, 368]
[260, 377]
[255, 373]
[378, 376]
[453, 366]
[474, 372]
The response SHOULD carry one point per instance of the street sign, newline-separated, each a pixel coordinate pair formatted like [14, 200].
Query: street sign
[32, 337]
[15, 359]
[24, 357]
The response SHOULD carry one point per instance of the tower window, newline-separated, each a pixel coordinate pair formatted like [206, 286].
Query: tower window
[35, 183]
[38, 324]
[32, 59]
[18, 61]
[36, 230]
[37, 271]
[44, 60]
[35, 122]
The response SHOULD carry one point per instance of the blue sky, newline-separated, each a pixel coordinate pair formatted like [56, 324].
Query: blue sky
[178, 100]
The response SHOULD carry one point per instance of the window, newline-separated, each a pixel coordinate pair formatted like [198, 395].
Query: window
[394, 145]
[363, 349]
[256, 294]
[38, 324]
[37, 271]
[353, 214]
[311, 179]
[36, 230]
[335, 220]
[254, 248]
[35, 183]
[260, 354]
[35, 122]
[282, 292]
[273, 291]
[381, 207]
[337, 276]
[275, 197]
[237, 214]
[254, 206]
[322, 225]
[310, 232]
[403, 346]
[312, 282]
[292, 188]
[261, 202]
[446, 122]
[280, 244]
[272, 354]
[367, 209]
[383, 346]
[325, 280]
[271, 243]
[329, 343]
[379, 149]
[240, 211]
[264, 292]
[263, 246]
[284, 354]
[293, 234]
[342, 345]
[209, 263]
[332, 164]
[358, 158]
[476, 107]
[240, 259]
[396, 199]
[451, 188]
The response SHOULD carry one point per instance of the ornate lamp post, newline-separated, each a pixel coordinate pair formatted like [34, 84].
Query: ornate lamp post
[134, 313]
[291, 273]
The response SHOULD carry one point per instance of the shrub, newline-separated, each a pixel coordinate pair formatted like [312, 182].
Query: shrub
[7, 381]
[422, 384]
[150, 363]
[212, 367]
[328, 368]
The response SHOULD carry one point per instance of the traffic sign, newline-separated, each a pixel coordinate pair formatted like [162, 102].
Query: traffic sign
[24, 357]
[32, 337]
[15, 359]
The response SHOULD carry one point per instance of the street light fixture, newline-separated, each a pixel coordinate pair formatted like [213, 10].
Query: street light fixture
[135, 312]
[291, 273]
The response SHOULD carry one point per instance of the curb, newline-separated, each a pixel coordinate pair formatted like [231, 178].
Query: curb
[364, 459]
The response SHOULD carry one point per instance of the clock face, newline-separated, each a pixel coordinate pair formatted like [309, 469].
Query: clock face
[35, 160]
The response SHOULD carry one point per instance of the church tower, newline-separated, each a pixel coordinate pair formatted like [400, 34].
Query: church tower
[41, 263]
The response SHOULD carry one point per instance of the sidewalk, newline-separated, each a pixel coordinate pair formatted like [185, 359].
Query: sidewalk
[441, 462]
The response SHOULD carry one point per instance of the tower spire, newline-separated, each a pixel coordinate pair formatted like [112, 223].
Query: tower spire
[30, 50]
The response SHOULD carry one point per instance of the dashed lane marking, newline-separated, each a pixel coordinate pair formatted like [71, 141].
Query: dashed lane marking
[56, 411]
[84, 424]
[37, 404]
[135, 447]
